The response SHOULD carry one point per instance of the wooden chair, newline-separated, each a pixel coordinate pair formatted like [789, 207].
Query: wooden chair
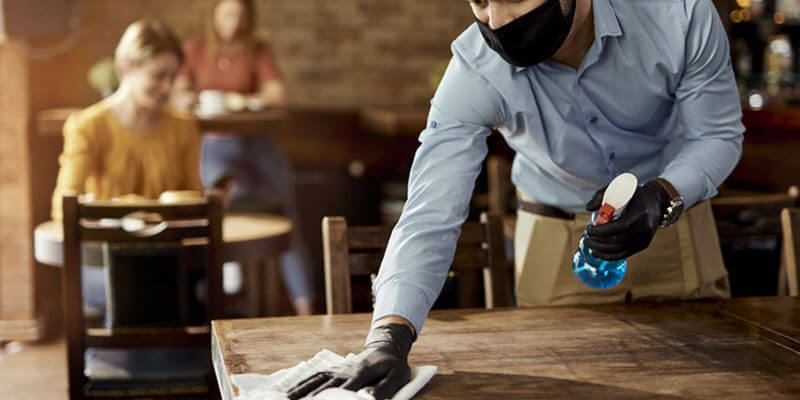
[357, 251]
[197, 226]
[790, 221]
[501, 191]
[743, 218]
[749, 229]
[498, 176]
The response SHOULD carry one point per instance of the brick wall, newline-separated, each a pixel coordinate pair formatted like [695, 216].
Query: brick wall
[343, 53]
[16, 252]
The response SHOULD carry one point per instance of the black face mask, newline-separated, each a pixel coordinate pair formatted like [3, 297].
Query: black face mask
[533, 37]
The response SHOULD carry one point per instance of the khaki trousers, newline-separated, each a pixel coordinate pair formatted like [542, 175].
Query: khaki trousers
[683, 261]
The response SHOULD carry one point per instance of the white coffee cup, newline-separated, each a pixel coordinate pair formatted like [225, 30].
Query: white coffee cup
[211, 102]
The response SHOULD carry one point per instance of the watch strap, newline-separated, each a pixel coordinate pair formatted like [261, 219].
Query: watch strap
[674, 206]
[672, 193]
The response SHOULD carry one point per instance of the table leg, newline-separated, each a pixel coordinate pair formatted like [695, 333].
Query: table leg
[255, 289]
[469, 287]
[271, 286]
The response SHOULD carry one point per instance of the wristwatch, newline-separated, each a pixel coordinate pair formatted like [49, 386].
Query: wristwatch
[674, 203]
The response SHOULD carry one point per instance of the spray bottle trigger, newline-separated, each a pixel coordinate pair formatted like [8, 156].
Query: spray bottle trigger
[605, 214]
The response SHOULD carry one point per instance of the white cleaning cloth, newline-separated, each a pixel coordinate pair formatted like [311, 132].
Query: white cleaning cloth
[274, 386]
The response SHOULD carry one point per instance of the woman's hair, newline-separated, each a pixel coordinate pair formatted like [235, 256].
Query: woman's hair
[244, 35]
[145, 39]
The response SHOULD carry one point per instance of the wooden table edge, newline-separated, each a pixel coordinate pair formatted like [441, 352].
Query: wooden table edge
[228, 390]
[772, 335]
[44, 234]
[50, 122]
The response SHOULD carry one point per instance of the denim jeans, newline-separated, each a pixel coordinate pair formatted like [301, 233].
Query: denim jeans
[261, 172]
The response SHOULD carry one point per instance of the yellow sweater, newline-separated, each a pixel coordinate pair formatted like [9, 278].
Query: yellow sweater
[105, 159]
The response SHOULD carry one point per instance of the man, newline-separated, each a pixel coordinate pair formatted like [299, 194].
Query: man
[582, 90]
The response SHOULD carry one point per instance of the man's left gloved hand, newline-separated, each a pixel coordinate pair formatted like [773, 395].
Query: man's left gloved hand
[633, 230]
[382, 365]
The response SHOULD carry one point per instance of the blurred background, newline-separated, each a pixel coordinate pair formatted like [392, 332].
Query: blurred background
[337, 59]
[360, 74]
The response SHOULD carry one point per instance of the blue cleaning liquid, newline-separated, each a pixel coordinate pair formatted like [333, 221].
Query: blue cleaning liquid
[594, 272]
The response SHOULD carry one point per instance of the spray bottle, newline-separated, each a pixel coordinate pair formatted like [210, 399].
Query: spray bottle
[595, 272]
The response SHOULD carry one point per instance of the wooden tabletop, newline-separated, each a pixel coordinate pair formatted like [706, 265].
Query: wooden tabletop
[644, 351]
[51, 122]
[777, 318]
[247, 236]
[251, 122]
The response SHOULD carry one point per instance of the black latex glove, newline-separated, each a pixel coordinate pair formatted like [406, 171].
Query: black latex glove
[633, 230]
[383, 365]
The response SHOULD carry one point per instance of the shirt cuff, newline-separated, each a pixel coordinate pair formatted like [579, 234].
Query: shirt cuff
[402, 300]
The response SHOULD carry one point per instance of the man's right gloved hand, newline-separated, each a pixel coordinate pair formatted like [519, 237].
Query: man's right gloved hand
[382, 365]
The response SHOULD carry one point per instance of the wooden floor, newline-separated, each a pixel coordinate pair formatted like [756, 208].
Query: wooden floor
[34, 371]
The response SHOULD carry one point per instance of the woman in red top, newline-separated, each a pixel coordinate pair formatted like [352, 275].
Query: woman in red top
[230, 60]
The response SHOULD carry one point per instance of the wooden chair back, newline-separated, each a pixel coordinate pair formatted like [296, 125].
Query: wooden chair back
[352, 251]
[749, 227]
[501, 190]
[790, 221]
[501, 193]
[196, 224]
[745, 218]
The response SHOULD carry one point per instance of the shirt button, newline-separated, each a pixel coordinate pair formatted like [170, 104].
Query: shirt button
[434, 124]
[593, 120]
[612, 156]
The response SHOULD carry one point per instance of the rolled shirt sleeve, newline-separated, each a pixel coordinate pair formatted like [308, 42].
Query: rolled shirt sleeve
[447, 162]
[709, 107]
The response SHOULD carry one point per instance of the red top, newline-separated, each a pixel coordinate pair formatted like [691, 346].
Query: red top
[235, 73]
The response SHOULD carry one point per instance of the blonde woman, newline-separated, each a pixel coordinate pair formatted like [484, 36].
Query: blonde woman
[130, 143]
[229, 59]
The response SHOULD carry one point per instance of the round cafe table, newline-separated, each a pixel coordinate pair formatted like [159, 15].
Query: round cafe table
[254, 240]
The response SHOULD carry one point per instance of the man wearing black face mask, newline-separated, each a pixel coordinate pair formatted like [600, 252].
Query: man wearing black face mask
[582, 90]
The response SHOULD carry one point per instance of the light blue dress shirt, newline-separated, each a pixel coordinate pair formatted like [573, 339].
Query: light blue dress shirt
[655, 95]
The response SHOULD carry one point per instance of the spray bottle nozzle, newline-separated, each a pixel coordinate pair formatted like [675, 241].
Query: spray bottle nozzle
[605, 214]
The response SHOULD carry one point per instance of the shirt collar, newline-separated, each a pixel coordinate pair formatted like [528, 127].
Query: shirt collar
[605, 20]
[605, 24]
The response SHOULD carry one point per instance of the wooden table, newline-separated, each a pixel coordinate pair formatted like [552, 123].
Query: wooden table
[737, 349]
[51, 122]
[250, 239]
[311, 138]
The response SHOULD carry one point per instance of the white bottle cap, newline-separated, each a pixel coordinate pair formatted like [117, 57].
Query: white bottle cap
[617, 195]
